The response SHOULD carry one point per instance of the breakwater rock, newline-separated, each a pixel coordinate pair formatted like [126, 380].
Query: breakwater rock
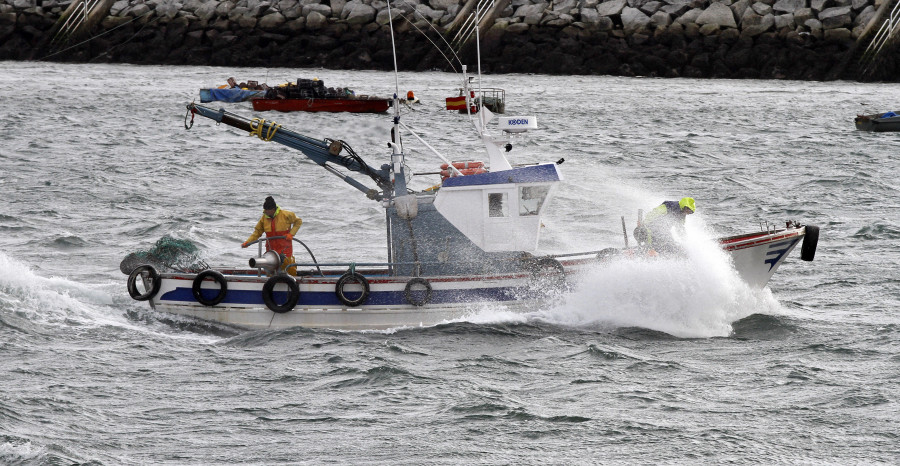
[796, 39]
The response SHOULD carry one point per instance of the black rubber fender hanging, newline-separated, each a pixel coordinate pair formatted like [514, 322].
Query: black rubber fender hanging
[810, 241]
[216, 277]
[407, 292]
[547, 273]
[605, 254]
[268, 293]
[351, 277]
[153, 276]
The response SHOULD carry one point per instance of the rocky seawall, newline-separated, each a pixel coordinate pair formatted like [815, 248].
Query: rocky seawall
[782, 39]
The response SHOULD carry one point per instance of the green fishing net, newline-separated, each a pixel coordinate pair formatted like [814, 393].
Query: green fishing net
[168, 254]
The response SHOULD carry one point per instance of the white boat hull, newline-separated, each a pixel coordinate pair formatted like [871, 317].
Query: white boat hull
[319, 306]
[362, 318]
[755, 256]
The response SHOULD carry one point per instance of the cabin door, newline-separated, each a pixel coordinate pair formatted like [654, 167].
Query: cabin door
[499, 209]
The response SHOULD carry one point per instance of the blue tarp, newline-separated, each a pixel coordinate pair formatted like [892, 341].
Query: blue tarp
[889, 115]
[228, 95]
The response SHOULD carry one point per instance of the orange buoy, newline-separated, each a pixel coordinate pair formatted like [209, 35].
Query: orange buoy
[461, 165]
[463, 171]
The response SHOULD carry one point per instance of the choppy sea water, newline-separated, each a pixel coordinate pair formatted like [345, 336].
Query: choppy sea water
[663, 362]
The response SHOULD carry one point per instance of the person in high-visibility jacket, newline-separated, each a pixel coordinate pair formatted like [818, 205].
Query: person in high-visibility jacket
[276, 221]
[655, 231]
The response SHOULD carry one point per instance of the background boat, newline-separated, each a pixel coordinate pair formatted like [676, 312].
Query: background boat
[360, 104]
[878, 122]
[229, 95]
[311, 95]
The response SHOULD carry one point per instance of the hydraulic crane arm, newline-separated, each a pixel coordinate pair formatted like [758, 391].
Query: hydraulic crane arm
[319, 151]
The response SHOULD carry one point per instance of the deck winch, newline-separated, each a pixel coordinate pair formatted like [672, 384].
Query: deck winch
[270, 262]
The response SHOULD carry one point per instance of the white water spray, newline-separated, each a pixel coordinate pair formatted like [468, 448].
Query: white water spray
[698, 295]
[45, 299]
[57, 301]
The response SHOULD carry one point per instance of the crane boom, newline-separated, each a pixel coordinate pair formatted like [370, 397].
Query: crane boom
[319, 151]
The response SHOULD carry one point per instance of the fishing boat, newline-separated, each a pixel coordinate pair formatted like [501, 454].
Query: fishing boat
[468, 242]
[229, 95]
[234, 92]
[355, 104]
[311, 95]
[492, 98]
[879, 122]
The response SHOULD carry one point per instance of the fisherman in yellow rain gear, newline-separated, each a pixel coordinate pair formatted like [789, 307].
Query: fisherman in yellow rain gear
[656, 229]
[276, 221]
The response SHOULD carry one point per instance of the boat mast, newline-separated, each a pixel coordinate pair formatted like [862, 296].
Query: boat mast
[478, 54]
[397, 156]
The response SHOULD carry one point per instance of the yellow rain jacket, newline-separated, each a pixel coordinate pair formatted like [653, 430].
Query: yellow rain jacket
[655, 230]
[282, 223]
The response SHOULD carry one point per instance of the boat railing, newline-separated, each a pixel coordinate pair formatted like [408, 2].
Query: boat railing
[882, 38]
[468, 27]
[76, 18]
[493, 98]
[341, 267]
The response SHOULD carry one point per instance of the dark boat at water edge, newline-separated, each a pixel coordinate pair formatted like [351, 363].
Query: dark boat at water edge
[311, 95]
[879, 122]
[361, 104]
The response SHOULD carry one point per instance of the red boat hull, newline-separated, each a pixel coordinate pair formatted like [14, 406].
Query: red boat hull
[323, 105]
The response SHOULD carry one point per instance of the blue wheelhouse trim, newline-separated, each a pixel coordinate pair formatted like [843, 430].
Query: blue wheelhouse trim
[531, 174]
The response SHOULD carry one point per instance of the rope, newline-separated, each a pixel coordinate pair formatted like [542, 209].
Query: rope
[107, 32]
[257, 130]
[191, 111]
[436, 46]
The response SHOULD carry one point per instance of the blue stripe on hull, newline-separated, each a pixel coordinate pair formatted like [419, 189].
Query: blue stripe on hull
[778, 250]
[329, 299]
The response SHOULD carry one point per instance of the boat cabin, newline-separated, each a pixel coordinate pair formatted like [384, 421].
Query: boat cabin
[499, 211]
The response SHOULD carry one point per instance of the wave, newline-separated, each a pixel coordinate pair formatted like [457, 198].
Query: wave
[17, 450]
[878, 230]
[697, 296]
[69, 242]
[30, 303]
[763, 327]
[26, 295]
[149, 317]
[379, 376]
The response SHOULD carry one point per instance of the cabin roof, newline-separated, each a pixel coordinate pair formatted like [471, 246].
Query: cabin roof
[531, 174]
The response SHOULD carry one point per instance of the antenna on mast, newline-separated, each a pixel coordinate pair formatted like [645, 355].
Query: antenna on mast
[396, 72]
[478, 54]
[397, 159]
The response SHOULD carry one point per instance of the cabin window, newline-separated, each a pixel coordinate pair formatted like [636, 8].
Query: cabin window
[497, 205]
[531, 198]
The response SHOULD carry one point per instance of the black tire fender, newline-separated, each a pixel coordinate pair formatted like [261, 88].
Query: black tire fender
[153, 276]
[268, 293]
[810, 241]
[549, 273]
[216, 277]
[607, 253]
[351, 277]
[407, 292]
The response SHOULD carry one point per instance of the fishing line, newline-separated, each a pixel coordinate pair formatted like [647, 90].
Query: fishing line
[449, 62]
[107, 32]
[438, 48]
